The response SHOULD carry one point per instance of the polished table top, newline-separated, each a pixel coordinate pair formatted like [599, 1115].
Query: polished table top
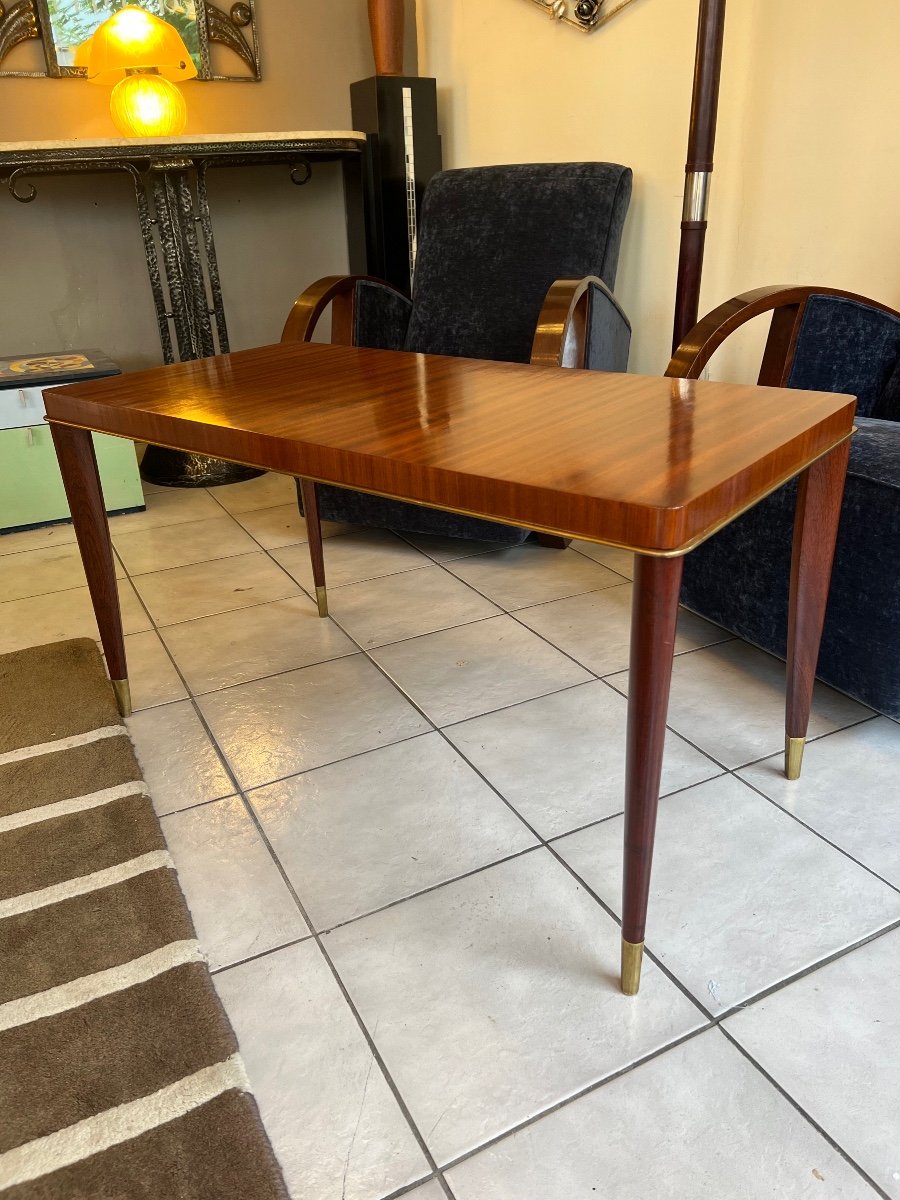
[649, 463]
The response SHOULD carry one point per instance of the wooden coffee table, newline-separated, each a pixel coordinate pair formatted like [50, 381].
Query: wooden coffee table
[651, 465]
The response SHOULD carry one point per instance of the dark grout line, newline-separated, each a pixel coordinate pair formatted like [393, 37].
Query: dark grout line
[607, 679]
[569, 687]
[810, 740]
[534, 833]
[200, 562]
[820, 1129]
[707, 754]
[200, 803]
[416, 636]
[711, 1020]
[514, 613]
[435, 887]
[226, 765]
[811, 828]
[811, 969]
[579, 1095]
[525, 608]
[242, 962]
[303, 595]
[688, 787]
[315, 936]
[409, 1188]
[542, 841]
[260, 787]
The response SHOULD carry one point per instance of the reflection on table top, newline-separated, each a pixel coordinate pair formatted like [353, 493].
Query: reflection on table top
[650, 463]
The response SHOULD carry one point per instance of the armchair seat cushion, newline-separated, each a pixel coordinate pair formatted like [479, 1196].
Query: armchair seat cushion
[359, 508]
[875, 452]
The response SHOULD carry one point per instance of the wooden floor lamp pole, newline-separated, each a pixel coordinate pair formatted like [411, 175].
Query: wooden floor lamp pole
[701, 143]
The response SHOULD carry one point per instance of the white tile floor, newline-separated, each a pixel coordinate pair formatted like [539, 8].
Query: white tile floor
[399, 832]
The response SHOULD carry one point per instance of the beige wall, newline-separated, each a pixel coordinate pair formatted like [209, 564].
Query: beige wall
[805, 187]
[72, 261]
[807, 176]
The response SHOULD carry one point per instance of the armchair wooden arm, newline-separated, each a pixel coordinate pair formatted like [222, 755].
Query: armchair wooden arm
[340, 292]
[787, 305]
[560, 339]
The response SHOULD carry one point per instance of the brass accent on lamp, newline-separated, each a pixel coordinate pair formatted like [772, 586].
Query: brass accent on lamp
[142, 57]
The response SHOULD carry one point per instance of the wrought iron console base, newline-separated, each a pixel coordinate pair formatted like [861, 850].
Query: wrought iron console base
[169, 181]
[177, 468]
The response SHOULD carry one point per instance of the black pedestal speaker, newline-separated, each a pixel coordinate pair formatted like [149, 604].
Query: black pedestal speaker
[399, 112]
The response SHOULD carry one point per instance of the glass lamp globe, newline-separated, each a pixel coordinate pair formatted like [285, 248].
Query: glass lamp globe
[145, 104]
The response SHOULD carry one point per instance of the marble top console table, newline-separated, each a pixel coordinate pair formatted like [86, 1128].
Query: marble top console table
[169, 176]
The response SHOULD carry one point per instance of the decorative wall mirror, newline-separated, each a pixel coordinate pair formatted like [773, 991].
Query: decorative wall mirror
[582, 14]
[61, 25]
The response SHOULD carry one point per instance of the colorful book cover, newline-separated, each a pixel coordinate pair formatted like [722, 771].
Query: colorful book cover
[43, 364]
[30, 370]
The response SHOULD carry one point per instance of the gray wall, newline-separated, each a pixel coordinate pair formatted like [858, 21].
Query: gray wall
[73, 269]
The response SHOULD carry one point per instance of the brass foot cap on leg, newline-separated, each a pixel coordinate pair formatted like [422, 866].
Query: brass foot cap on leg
[632, 954]
[322, 601]
[123, 696]
[793, 756]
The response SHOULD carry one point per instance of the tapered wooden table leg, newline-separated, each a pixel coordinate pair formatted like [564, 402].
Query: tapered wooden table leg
[81, 479]
[657, 583]
[819, 494]
[314, 534]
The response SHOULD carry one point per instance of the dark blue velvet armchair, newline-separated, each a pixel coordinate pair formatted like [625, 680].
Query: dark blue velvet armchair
[823, 340]
[515, 263]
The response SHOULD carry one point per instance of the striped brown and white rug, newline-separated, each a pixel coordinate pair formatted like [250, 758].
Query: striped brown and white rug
[119, 1072]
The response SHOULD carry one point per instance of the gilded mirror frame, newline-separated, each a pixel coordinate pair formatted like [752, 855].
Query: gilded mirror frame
[585, 15]
[234, 27]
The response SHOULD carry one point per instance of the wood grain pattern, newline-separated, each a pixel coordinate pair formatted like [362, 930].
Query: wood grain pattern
[81, 480]
[650, 463]
[560, 337]
[657, 582]
[313, 534]
[819, 496]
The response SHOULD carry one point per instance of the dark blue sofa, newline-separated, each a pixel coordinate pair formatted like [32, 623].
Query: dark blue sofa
[823, 340]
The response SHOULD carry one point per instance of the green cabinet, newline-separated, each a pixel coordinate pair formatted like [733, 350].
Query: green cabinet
[31, 490]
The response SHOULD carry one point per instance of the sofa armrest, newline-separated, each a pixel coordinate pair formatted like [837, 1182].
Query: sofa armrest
[381, 315]
[341, 292]
[581, 325]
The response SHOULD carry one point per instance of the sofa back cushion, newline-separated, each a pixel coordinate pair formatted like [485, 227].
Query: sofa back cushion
[493, 239]
[845, 346]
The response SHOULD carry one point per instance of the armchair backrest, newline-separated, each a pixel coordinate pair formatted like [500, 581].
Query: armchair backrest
[492, 240]
[820, 339]
[847, 345]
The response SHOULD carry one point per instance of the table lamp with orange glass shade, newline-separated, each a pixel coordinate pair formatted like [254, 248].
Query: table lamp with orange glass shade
[142, 57]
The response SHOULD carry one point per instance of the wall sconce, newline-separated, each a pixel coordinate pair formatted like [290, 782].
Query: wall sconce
[143, 57]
